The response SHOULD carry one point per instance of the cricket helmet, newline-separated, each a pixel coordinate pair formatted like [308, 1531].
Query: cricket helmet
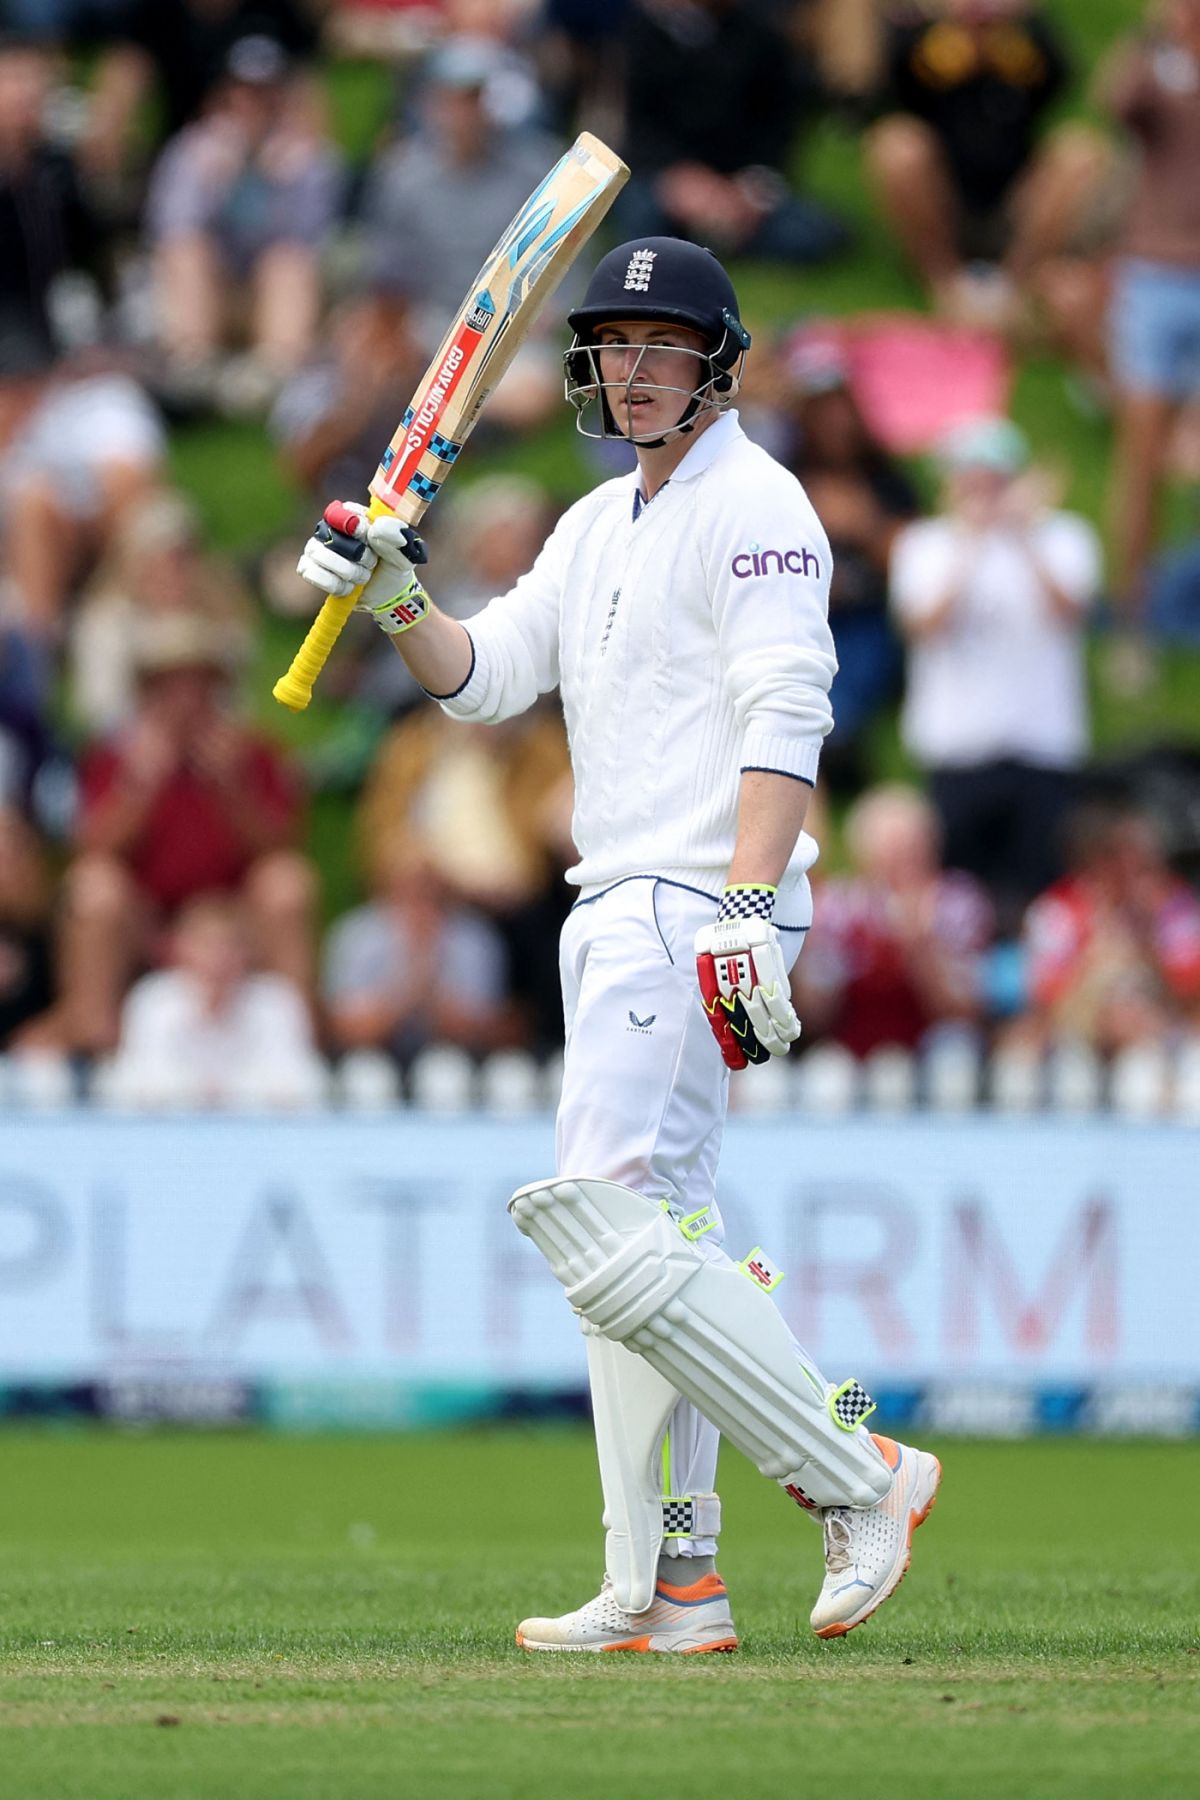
[659, 279]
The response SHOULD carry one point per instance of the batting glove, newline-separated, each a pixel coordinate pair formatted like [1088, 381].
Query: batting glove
[379, 555]
[743, 979]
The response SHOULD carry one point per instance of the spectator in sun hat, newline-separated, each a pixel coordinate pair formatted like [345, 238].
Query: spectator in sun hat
[992, 596]
[182, 799]
[157, 564]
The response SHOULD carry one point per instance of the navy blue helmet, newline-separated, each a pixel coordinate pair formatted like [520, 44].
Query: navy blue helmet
[660, 279]
[666, 278]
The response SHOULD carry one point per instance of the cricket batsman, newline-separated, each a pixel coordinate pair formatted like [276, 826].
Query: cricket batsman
[681, 611]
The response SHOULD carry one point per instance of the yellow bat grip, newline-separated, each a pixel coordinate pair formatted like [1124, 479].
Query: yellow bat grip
[294, 690]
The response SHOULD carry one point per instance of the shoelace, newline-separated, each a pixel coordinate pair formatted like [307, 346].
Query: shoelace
[837, 1539]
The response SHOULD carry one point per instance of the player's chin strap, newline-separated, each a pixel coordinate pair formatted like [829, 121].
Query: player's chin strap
[687, 423]
[631, 1409]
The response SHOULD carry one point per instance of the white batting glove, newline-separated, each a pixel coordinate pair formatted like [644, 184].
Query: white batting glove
[743, 980]
[379, 555]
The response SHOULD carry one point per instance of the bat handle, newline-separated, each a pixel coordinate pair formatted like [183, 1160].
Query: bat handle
[294, 690]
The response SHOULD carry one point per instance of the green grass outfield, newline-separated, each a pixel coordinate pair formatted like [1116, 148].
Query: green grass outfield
[249, 1616]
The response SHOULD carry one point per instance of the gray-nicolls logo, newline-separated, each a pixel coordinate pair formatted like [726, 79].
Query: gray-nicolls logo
[637, 275]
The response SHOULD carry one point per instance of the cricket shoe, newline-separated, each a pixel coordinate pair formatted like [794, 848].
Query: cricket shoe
[687, 1620]
[868, 1549]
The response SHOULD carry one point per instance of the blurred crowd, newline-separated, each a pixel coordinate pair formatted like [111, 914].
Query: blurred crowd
[187, 239]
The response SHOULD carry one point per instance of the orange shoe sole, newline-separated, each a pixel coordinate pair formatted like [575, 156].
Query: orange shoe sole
[639, 1646]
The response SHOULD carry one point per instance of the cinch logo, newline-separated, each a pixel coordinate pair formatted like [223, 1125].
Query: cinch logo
[760, 562]
[637, 275]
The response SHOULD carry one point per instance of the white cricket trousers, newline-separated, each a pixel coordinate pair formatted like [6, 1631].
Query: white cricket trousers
[645, 1089]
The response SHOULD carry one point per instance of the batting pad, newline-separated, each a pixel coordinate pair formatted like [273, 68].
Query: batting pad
[705, 1327]
[631, 1407]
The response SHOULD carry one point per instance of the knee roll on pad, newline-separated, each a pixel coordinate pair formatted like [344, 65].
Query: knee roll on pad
[705, 1327]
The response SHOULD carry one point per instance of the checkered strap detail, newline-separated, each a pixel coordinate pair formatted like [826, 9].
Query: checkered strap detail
[849, 1405]
[747, 900]
[691, 1516]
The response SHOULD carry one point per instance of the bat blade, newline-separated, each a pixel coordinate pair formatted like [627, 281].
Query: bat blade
[525, 266]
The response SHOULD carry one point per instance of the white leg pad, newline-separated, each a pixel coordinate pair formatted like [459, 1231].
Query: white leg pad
[631, 1405]
[705, 1327]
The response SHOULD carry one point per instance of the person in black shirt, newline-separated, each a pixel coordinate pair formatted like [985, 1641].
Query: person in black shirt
[46, 225]
[713, 104]
[977, 195]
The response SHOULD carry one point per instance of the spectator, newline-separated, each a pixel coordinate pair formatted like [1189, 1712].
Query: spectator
[25, 970]
[327, 441]
[25, 982]
[58, 514]
[978, 197]
[183, 800]
[431, 205]
[862, 497]
[391, 30]
[578, 50]
[1154, 89]
[176, 52]
[156, 566]
[209, 1031]
[1173, 596]
[46, 225]
[1114, 948]
[992, 597]
[60, 21]
[416, 967]
[897, 947]
[713, 105]
[24, 729]
[240, 206]
[488, 808]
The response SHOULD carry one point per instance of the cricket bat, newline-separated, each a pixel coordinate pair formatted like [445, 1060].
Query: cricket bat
[523, 270]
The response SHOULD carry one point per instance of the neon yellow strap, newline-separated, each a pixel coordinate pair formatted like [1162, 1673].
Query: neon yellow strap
[757, 1267]
[696, 1224]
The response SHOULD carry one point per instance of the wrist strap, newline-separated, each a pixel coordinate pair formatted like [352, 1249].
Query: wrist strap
[747, 900]
[403, 611]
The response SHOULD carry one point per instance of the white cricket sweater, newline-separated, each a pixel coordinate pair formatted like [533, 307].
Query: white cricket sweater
[690, 640]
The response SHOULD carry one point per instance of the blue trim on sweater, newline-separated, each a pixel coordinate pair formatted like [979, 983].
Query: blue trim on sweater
[462, 684]
[757, 769]
[683, 888]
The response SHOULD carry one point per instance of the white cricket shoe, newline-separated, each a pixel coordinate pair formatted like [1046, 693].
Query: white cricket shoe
[687, 1620]
[868, 1549]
